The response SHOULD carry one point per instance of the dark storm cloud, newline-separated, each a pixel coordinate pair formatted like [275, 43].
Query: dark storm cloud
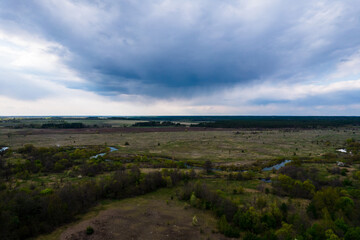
[177, 48]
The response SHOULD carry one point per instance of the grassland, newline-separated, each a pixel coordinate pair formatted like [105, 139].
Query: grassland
[217, 146]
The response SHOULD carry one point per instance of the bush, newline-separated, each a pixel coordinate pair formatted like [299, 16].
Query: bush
[248, 220]
[330, 235]
[89, 230]
[356, 175]
[251, 236]
[353, 234]
[285, 185]
[226, 229]
[47, 191]
[195, 221]
[285, 232]
[194, 201]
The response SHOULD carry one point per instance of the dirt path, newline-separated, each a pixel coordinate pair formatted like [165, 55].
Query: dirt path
[148, 219]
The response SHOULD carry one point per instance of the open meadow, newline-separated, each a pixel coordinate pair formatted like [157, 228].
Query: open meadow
[185, 182]
[224, 145]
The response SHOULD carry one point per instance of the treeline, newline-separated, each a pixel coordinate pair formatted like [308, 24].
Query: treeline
[157, 124]
[282, 122]
[58, 125]
[63, 125]
[26, 213]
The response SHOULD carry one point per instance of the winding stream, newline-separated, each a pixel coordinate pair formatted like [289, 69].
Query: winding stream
[112, 149]
[277, 166]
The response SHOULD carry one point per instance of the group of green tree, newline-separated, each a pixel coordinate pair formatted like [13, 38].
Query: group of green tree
[76, 161]
[28, 212]
[56, 125]
[157, 124]
[63, 125]
[53, 160]
[331, 214]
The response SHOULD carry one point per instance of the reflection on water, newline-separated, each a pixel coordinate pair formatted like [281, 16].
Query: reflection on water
[277, 166]
[3, 149]
[112, 149]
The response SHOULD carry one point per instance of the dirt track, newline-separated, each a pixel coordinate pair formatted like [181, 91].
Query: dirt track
[152, 219]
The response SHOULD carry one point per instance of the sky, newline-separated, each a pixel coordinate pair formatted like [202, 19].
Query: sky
[179, 57]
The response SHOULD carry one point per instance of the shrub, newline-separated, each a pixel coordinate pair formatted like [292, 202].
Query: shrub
[330, 235]
[194, 201]
[261, 203]
[226, 229]
[315, 232]
[353, 234]
[285, 232]
[251, 236]
[195, 221]
[89, 230]
[47, 191]
[356, 175]
[326, 198]
[340, 224]
[247, 220]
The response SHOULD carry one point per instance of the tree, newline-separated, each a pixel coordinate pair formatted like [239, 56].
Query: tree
[326, 198]
[346, 204]
[285, 232]
[227, 229]
[330, 235]
[353, 234]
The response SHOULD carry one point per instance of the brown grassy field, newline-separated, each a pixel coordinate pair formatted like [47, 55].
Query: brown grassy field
[197, 144]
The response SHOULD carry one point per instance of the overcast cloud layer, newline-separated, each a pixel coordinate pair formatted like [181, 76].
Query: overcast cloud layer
[89, 57]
